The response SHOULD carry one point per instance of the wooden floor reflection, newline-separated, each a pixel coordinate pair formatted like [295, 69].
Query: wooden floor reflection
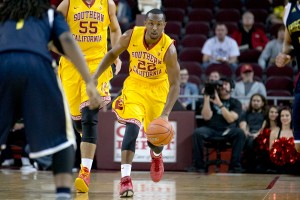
[174, 186]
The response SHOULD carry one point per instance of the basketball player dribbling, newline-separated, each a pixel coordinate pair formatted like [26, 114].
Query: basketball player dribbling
[89, 21]
[149, 92]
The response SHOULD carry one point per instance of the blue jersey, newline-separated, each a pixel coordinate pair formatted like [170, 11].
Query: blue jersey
[292, 24]
[32, 34]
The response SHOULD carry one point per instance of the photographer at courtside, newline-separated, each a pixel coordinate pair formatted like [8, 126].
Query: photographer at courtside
[221, 113]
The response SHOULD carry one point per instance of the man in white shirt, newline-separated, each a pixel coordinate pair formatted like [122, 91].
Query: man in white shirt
[220, 48]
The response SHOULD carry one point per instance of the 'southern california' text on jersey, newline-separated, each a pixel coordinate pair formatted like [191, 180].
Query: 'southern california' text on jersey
[147, 63]
[89, 25]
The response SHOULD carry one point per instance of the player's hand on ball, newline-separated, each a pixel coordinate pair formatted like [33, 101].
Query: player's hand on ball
[282, 59]
[118, 64]
[164, 117]
[94, 96]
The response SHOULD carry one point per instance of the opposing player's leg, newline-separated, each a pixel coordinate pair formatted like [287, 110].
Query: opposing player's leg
[296, 116]
[48, 125]
[8, 100]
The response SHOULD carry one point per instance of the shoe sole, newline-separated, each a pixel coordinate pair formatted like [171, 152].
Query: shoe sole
[80, 185]
[127, 193]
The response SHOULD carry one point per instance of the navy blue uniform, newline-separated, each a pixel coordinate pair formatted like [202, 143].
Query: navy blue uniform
[30, 87]
[292, 24]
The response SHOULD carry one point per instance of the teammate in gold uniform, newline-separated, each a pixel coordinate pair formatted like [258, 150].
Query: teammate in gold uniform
[89, 21]
[149, 92]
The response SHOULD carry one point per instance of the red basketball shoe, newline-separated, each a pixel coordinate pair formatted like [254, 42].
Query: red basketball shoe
[126, 189]
[83, 180]
[157, 167]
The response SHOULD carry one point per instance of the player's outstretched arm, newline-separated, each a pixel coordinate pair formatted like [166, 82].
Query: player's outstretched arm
[73, 52]
[284, 58]
[113, 54]
[173, 70]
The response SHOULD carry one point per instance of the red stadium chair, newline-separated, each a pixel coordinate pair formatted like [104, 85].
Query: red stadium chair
[280, 71]
[173, 27]
[237, 4]
[249, 56]
[228, 15]
[231, 27]
[223, 69]
[201, 14]
[190, 54]
[194, 68]
[195, 79]
[174, 14]
[193, 41]
[264, 4]
[175, 4]
[202, 4]
[260, 14]
[197, 28]
[279, 83]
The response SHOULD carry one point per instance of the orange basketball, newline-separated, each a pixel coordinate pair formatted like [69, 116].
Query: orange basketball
[160, 132]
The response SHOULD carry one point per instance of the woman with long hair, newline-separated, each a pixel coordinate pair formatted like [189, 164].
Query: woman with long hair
[261, 142]
[284, 126]
[29, 86]
[271, 118]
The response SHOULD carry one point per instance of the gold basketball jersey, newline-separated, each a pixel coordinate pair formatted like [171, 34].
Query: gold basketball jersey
[147, 63]
[89, 26]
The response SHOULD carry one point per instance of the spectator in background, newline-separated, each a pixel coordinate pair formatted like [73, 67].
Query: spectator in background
[245, 88]
[124, 14]
[251, 123]
[271, 119]
[186, 88]
[147, 5]
[221, 114]
[263, 162]
[220, 48]
[272, 49]
[284, 123]
[214, 76]
[249, 37]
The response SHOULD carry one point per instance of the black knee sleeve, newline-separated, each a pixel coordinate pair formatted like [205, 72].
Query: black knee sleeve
[154, 148]
[77, 125]
[63, 161]
[89, 125]
[131, 133]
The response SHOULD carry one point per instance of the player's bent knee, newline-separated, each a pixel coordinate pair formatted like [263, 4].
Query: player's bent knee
[130, 136]
[89, 125]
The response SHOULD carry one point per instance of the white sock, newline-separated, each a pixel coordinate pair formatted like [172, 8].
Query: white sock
[156, 154]
[86, 162]
[125, 170]
[25, 161]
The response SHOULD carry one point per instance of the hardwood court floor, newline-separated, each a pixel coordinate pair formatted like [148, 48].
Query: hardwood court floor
[174, 186]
